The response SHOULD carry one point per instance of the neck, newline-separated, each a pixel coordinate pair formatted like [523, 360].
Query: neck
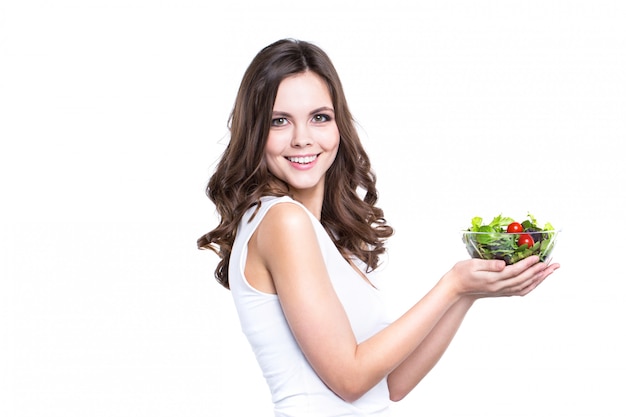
[311, 199]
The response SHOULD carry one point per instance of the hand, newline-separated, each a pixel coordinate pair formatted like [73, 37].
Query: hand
[480, 278]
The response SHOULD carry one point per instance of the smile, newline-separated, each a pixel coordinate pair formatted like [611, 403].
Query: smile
[302, 159]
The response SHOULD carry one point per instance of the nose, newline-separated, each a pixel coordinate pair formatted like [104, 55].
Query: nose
[301, 136]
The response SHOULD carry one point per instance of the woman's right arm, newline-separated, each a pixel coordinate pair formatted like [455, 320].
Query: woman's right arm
[289, 250]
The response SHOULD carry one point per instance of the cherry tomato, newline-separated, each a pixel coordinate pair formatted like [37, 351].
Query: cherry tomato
[515, 227]
[525, 239]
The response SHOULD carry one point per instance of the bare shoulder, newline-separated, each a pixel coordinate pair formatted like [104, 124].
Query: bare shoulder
[277, 234]
[286, 230]
[285, 218]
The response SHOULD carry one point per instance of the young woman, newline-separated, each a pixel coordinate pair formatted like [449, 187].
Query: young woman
[299, 236]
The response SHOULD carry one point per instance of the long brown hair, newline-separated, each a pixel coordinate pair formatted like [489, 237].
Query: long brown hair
[241, 178]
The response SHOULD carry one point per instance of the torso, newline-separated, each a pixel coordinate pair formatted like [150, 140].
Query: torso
[296, 388]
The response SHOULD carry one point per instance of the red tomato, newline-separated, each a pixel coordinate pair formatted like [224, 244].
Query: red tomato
[525, 239]
[514, 227]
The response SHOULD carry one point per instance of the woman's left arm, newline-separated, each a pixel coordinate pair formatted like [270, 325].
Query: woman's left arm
[415, 367]
[419, 362]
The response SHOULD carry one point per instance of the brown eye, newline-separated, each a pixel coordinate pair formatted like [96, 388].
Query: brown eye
[319, 118]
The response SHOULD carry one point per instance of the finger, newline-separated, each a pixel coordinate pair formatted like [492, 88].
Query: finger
[492, 265]
[512, 282]
[521, 266]
[534, 284]
[538, 279]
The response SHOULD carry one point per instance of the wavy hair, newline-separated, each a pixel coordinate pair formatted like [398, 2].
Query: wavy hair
[349, 215]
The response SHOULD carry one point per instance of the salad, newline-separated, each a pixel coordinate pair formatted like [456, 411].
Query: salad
[506, 239]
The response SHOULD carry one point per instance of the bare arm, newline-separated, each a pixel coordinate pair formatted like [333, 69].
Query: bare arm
[412, 370]
[408, 374]
[288, 247]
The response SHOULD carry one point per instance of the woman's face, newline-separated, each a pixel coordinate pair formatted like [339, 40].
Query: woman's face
[303, 137]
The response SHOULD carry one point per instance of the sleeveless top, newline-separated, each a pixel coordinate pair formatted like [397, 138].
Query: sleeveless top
[296, 389]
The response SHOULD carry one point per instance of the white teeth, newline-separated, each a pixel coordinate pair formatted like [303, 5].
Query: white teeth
[302, 159]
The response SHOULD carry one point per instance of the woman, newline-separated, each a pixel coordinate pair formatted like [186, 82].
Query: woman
[299, 236]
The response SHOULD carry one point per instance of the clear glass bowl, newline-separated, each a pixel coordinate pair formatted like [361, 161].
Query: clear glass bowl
[504, 246]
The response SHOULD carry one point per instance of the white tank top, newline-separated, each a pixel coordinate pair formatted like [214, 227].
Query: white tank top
[296, 389]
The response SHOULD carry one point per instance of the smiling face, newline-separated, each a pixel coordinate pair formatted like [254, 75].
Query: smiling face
[303, 138]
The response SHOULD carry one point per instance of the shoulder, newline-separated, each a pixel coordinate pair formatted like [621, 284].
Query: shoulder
[287, 212]
[285, 219]
[286, 231]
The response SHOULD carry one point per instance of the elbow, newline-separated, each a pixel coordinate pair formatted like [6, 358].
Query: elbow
[397, 389]
[352, 388]
[350, 384]
[350, 392]
[350, 397]
[396, 396]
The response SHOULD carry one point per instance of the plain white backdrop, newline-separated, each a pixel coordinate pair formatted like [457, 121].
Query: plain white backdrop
[113, 113]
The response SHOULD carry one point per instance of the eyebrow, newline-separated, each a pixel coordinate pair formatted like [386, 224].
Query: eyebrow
[316, 111]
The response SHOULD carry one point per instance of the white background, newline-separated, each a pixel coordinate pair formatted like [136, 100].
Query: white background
[113, 113]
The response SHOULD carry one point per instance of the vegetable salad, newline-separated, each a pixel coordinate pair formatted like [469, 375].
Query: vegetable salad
[506, 239]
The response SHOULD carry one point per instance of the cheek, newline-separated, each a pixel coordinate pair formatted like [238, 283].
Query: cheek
[271, 165]
[269, 158]
[331, 140]
[273, 146]
[272, 152]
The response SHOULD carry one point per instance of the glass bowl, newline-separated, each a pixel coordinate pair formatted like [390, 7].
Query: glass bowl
[510, 247]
